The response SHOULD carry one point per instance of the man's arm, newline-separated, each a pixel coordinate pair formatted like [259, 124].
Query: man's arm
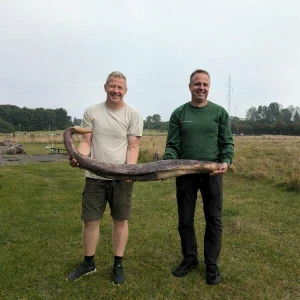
[172, 150]
[132, 154]
[226, 145]
[84, 148]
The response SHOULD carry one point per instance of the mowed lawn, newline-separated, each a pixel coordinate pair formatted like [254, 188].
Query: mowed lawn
[40, 240]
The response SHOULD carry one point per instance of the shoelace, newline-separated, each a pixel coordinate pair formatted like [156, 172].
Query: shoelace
[118, 270]
[82, 267]
[213, 271]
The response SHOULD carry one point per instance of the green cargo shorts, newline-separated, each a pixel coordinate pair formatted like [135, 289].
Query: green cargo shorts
[98, 192]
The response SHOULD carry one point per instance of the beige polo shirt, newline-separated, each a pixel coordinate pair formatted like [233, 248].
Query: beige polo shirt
[110, 131]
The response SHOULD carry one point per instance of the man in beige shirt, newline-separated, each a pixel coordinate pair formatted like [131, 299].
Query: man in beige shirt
[117, 129]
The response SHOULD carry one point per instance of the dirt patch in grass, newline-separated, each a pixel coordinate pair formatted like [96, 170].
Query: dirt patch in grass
[10, 159]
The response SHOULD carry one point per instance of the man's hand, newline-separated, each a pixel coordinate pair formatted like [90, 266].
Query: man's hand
[222, 170]
[73, 162]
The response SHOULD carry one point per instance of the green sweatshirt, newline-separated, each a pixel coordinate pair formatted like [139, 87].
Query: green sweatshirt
[200, 134]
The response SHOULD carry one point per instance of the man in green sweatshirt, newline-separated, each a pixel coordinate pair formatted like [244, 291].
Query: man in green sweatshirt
[200, 130]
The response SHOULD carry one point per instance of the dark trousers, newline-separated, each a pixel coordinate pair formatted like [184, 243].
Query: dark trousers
[211, 188]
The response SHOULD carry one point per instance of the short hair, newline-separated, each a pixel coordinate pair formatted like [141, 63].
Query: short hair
[199, 71]
[116, 74]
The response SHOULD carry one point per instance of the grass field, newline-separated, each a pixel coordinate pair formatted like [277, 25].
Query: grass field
[40, 237]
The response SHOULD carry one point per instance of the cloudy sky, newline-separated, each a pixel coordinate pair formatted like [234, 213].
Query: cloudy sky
[58, 53]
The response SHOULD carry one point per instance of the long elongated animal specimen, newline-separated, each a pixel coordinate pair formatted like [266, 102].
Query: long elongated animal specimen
[159, 170]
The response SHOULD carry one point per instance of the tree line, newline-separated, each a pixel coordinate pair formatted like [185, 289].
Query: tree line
[150, 123]
[271, 119]
[14, 118]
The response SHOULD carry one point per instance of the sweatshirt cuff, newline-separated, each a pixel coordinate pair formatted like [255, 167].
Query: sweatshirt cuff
[228, 162]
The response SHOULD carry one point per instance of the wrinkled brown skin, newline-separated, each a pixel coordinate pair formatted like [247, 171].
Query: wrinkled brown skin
[159, 170]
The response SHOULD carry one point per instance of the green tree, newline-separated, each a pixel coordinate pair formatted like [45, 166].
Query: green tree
[62, 119]
[286, 115]
[6, 127]
[251, 114]
[273, 112]
[297, 117]
[262, 114]
[156, 119]
[26, 119]
[76, 122]
[153, 122]
[40, 121]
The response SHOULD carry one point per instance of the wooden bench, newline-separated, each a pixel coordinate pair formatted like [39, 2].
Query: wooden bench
[56, 150]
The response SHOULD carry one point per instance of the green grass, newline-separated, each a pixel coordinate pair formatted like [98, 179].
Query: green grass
[40, 240]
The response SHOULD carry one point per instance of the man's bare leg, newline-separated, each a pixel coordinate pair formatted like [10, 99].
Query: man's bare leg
[90, 236]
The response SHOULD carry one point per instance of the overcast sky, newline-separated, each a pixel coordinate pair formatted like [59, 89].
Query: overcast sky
[58, 53]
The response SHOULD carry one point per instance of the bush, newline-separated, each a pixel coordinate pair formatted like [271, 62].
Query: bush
[6, 127]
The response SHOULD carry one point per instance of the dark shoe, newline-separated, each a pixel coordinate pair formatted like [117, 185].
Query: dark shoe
[118, 274]
[213, 276]
[184, 268]
[82, 269]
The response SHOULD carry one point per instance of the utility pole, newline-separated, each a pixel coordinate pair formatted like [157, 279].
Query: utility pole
[229, 93]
